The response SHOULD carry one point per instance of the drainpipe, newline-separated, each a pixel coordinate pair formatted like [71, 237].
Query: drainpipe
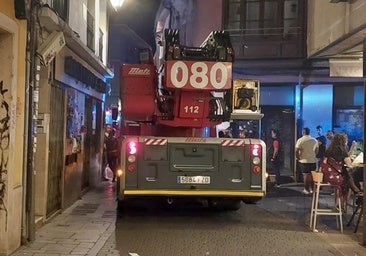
[298, 120]
[31, 113]
[25, 137]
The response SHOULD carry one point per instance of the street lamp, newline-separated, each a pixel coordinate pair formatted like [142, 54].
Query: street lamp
[117, 3]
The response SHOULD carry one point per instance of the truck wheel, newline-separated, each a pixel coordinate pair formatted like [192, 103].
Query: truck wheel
[251, 200]
[227, 204]
[232, 204]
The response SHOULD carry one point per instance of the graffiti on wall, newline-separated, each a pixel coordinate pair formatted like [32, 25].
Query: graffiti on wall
[4, 144]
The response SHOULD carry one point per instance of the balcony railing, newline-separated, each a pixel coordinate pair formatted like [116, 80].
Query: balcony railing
[265, 33]
[259, 43]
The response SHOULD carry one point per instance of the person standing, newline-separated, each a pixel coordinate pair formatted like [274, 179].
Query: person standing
[112, 149]
[322, 142]
[329, 135]
[275, 156]
[306, 149]
[107, 130]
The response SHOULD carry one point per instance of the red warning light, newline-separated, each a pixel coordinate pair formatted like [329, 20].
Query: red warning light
[132, 147]
[256, 150]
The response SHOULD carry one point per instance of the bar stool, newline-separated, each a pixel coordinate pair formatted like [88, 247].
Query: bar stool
[315, 210]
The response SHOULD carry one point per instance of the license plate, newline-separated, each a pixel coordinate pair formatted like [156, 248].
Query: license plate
[194, 179]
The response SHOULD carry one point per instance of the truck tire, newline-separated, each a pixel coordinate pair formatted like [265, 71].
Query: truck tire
[251, 200]
[226, 204]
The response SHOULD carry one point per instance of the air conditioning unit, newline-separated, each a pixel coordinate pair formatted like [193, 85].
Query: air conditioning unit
[49, 48]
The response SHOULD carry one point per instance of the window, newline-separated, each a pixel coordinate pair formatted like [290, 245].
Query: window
[235, 15]
[61, 7]
[262, 17]
[90, 31]
[290, 19]
[101, 44]
[90, 26]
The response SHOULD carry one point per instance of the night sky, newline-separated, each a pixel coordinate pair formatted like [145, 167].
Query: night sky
[139, 15]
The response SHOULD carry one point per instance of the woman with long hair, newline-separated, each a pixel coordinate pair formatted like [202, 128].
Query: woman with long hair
[338, 150]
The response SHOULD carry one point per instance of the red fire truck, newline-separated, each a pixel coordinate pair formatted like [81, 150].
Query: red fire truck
[170, 146]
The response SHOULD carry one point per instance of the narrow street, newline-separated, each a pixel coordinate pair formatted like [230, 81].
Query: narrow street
[277, 225]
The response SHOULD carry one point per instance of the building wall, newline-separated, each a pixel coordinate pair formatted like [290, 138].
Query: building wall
[103, 25]
[80, 167]
[78, 22]
[76, 93]
[327, 22]
[12, 95]
[78, 17]
[209, 19]
[192, 18]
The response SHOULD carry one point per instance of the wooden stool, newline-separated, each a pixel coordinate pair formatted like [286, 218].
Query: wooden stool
[315, 210]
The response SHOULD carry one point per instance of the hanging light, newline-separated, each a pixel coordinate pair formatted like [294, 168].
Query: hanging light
[117, 3]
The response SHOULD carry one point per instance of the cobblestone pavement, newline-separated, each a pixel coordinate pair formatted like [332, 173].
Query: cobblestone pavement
[289, 202]
[82, 229]
[87, 226]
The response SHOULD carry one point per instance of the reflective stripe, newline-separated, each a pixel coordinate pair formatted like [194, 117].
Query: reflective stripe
[193, 193]
[155, 141]
[231, 143]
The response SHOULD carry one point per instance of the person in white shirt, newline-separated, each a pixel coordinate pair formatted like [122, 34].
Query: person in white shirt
[306, 149]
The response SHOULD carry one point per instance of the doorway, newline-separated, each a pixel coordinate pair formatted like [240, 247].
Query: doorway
[56, 150]
[281, 118]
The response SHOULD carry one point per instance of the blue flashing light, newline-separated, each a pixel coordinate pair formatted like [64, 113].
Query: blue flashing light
[206, 131]
[106, 77]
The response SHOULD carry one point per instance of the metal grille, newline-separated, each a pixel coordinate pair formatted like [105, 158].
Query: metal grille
[56, 146]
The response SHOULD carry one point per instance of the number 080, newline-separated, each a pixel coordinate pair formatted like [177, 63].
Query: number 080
[199, 75]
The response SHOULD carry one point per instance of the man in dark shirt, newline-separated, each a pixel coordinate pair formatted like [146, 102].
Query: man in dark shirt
[322, 142]
[112, 150]
[329, 135]
[275, 156]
